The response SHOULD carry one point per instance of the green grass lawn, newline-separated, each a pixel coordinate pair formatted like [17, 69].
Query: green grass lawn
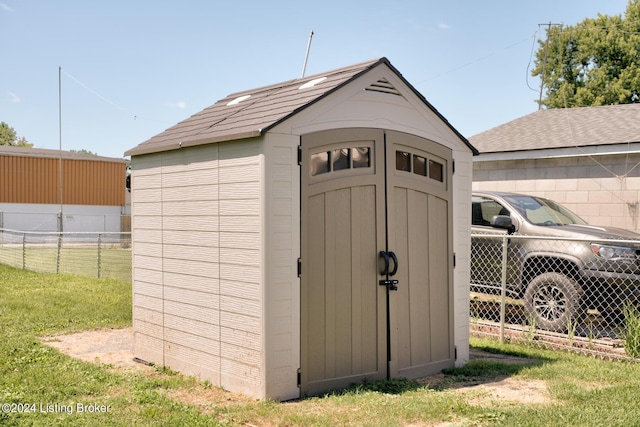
[581, 391]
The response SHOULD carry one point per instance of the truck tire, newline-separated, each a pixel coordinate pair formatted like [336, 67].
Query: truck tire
[554, 301]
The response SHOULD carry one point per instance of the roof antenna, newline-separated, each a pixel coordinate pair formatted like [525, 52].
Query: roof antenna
[306, 57]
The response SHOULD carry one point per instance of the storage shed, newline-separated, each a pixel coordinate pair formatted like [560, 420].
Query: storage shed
[300, 237]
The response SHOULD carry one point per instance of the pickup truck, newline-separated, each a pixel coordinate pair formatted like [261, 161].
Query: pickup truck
[556, 262]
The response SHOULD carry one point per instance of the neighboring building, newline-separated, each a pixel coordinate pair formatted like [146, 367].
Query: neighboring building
[90, 192]
[587, 158]
[269, 228]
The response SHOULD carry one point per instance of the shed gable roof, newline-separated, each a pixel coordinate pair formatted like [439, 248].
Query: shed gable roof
[563, 128]
[251, 113]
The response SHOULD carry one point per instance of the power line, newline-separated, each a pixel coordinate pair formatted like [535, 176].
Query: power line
[99, 96]
[108, 101]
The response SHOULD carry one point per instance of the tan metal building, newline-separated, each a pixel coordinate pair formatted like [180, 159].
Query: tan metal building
[32, 182]
[296, 238]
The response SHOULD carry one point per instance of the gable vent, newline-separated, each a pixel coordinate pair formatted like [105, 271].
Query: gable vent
[383, 86]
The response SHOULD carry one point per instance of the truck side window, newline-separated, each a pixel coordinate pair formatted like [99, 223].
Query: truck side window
[484, 209]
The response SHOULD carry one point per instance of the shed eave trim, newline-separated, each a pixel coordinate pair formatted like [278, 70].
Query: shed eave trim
[176, 145]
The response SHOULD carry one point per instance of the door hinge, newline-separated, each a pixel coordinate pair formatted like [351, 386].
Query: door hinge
[299, 380]
[299, 267]
[453, 167]
[455, 354]
[454, 260]
[299, 155]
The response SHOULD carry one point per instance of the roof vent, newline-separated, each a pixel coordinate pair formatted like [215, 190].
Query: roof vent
[383, 86]
[312, 83]
[238, 100]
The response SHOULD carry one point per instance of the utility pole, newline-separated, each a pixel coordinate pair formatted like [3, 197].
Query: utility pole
[544, 62]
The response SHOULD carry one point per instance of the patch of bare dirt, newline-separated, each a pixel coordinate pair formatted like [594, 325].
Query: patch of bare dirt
[105, 346]
[496, 391]
[115, 347]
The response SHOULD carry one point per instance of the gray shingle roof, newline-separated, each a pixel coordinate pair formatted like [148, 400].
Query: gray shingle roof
[563, 128]
[258, 110]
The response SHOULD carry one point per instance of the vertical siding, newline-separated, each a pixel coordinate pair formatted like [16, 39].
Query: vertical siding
[197, 262]
[85, 182]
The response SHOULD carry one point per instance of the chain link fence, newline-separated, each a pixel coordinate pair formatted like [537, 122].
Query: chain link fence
[573, 294]
[68, 221]
[92, 254]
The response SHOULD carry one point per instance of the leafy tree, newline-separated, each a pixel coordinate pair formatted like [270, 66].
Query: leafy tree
[596, 62]
[8, 137]
[84, 151]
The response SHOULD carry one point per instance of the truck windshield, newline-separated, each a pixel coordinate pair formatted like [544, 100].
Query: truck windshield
[543, 212]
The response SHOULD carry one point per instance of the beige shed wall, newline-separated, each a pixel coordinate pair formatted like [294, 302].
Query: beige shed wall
[197, 272]
[603, 190]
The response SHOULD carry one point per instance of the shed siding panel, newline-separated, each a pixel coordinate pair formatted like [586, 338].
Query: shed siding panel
[192, 341]
[197, 327]
[147, 347]
[206, 314]
[190, 222]
[192, 362]
[191, 252]
[188, 194]
[150, 329]
[190, 281]
[146, 275]
[191, 298]
[149, 316]
[196, 238]
[146, 210]
[241, 258]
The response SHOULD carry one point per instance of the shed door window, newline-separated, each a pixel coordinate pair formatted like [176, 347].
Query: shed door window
[419, 165]
[340, 159]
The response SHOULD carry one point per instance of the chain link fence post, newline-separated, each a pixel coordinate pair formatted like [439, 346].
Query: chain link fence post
[503, 287]
[99, 246]
[24, 251]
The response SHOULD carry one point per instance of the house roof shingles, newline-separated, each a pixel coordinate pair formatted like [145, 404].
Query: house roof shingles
[563, 128]
[263, 109]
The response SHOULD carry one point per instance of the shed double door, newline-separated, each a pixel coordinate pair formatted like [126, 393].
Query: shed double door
[376, 258]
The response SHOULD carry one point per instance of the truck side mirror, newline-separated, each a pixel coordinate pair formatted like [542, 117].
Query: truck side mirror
[504, 222]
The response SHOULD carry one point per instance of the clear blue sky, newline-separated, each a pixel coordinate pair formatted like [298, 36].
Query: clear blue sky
[132, 68]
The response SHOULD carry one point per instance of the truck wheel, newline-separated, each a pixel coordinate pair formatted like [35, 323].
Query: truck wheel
[554, 301]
